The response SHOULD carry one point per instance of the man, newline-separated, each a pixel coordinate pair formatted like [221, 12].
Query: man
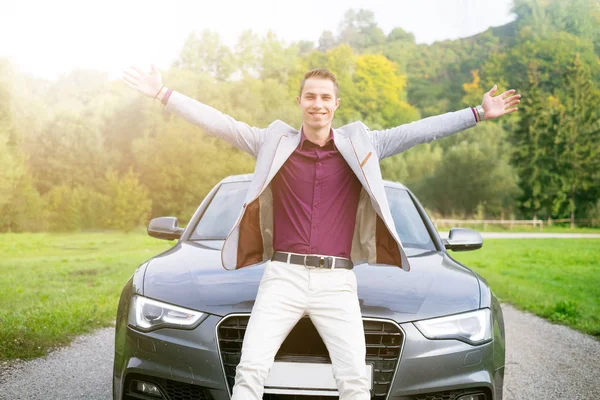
[316, 206]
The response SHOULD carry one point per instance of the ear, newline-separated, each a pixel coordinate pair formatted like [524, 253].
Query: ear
[298, 100]
[337, 102]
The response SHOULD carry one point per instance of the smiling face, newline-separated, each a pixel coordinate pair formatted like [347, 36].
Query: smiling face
[318, 102]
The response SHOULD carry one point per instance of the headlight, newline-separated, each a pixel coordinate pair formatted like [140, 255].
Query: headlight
[146, 314]
[473, 327]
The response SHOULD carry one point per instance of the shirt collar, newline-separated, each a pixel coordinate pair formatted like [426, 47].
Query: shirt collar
[304, 139]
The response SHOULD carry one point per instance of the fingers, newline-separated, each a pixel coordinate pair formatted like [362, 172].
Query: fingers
[130, 85]
[131, 73]
[512, 103]
[507, 93]
[511, 110]
[493, 90]
[139, 70]
[130, 80]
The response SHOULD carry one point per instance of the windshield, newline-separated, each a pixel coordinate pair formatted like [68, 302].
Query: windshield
[223, 210]
[221, 214]
[409, 224]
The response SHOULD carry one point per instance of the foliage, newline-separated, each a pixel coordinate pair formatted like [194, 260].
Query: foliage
[127, 201]
[472, 174]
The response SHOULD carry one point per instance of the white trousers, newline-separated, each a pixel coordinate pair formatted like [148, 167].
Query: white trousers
[286, 293]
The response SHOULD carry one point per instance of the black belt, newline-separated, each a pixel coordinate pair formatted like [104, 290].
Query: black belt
[313, 261]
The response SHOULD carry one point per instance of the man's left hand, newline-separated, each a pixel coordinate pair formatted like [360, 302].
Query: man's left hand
[497, 106]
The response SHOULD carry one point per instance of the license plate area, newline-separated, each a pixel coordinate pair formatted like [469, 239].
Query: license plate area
[305, 379]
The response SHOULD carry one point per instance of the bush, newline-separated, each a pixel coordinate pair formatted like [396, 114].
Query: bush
[127, 201]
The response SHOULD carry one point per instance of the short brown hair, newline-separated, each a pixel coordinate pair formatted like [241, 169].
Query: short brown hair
[323, 74]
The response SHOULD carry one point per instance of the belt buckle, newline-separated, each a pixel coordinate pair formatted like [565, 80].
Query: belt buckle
[321, 264]
[307, 266]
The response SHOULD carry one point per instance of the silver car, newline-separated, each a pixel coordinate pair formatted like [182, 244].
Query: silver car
[434, 333]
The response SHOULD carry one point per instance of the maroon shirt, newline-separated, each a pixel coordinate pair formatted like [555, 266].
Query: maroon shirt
[315, 197]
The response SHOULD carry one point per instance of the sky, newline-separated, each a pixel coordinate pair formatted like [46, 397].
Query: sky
[50, 38]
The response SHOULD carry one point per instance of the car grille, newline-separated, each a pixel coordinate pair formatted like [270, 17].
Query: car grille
[384, 341]
[451, 395]
[173, 390]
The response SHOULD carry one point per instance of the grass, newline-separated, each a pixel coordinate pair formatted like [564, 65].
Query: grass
[56, 286]
[557, 279]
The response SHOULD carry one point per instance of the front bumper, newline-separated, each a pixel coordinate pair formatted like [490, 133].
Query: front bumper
[188, 364]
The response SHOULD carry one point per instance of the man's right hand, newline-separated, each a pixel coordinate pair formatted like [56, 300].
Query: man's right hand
[146, 83]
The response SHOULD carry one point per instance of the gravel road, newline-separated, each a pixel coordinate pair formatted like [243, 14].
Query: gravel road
[544, 361]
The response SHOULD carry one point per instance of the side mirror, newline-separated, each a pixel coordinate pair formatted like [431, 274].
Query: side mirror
[165, 228]
[463, 239]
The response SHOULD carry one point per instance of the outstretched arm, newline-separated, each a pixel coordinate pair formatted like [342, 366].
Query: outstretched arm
[213, 122]
[401, 138]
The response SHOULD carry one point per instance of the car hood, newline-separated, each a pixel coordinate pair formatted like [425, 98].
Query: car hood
[190, 275]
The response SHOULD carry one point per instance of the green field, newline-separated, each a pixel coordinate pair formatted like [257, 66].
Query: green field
[558, 279]
[56, 286]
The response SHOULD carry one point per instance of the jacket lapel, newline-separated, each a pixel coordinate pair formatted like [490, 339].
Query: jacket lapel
[346, 149]
[285, 148]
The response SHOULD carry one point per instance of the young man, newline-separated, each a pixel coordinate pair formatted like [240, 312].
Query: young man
[316, 206]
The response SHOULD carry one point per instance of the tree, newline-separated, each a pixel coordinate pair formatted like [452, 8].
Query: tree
[380, 94]
[553, 54]
[532, 144]
[305, 47]
[278, 61]
[64, 206]
[473, 173]
[400, 35]
[128, 205]
[577, 141]
[23, 210]
[17, 195]
[473, 91]
[413, 166]
[12, 165]
[70, 150]
[179, 164]
[359, 30]
[247, 54]
[206, 54]
[576, 17]
[326, 41]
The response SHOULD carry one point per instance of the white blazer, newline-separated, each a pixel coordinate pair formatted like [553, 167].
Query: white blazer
[375, 239]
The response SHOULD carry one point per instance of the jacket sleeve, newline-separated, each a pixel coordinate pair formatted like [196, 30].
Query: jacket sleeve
[215, 123]
[401, 138]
